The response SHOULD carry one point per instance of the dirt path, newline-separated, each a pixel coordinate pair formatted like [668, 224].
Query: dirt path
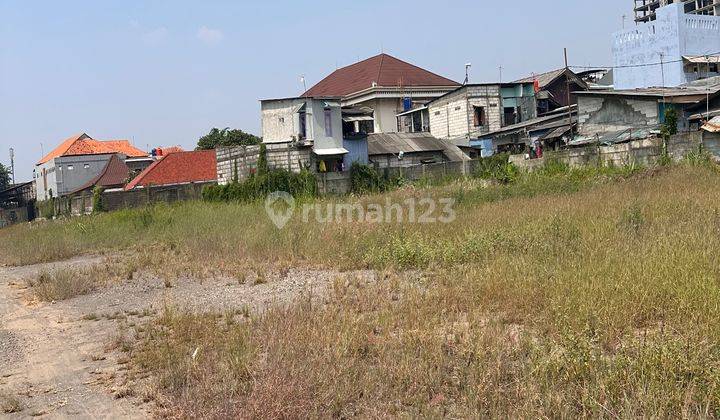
[46, 356]
[54, 357]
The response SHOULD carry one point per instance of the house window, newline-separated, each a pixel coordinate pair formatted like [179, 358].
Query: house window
[479, 116]
[328, 122]
[86, 166]
[70, 167]
[281, 120]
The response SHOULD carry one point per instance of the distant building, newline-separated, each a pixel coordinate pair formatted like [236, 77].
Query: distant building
[17, 204]
[646, 10]
[372, 92]
[78, 160]
[310, 126]
[687, 45]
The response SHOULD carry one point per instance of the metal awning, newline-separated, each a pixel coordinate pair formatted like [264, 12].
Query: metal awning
[331, 152]
[298, 108]
[353, 118]
[556, 133]
[411, 111]
[702, 59]
[331, 104]
[712, 126]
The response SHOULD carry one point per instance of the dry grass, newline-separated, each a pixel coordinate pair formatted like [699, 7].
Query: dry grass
[564, 295]
[9, 403]
[65, 283]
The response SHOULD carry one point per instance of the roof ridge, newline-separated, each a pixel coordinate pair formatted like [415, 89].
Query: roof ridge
[421, 68]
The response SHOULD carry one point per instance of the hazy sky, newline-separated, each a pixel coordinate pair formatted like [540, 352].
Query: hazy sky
[163, 72]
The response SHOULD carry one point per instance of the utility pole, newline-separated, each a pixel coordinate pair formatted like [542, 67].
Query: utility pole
[662, 72]
[567, 88]
[12, 164]
[501, 69]
[707, 89]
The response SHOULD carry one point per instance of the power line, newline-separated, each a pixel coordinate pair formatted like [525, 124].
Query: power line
[642, 65]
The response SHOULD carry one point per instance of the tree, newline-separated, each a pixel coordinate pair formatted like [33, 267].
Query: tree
[226, 137]
[4, 177]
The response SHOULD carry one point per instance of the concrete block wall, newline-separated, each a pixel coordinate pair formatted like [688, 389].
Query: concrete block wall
[603, 114]
[645, 152]
[452, 116]
[244, 158]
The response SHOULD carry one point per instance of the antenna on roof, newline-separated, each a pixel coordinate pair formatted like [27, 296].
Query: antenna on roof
[302, 80]
[467, 73]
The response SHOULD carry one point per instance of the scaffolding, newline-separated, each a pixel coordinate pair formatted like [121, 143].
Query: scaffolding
[645, 9]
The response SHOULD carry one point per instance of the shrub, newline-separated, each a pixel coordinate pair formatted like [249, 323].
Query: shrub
[64, 284]
[365, 179]
[258, 186]
[496, 167]
[98, 202]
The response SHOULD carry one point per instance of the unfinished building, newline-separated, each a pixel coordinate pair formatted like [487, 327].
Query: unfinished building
[645, 10]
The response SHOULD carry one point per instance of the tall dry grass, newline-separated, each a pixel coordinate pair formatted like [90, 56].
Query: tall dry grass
[590, 296]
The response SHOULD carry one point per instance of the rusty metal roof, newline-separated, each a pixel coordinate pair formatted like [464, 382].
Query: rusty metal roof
[394, 143]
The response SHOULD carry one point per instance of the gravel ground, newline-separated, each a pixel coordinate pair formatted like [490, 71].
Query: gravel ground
[54, 356]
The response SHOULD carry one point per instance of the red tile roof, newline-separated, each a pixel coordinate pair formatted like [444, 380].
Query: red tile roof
[82, 144]
[178, 168]
[382, 70]
[114, 175]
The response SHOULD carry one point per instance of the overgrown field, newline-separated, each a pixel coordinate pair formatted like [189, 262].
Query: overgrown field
[565, 293]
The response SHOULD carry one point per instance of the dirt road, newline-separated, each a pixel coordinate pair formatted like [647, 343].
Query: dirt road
[54, 357]
[47, 353]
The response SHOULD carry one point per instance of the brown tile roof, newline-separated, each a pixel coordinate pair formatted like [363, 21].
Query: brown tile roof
[178, 168]
[82, 144]
[114, 175]
[383, 70]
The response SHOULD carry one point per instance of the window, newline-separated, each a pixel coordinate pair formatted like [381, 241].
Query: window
[70, 167]
[281, 120]
[86, 166]
[479, 116]
[328, 122]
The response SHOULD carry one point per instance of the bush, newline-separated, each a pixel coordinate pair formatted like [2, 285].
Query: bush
[496, 167]
[365, 179]
[256, 187]
[98, 202]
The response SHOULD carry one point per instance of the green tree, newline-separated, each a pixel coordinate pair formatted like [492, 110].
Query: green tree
[4, 177]
[226, 137]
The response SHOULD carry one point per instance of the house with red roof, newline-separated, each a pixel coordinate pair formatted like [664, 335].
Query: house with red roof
[374, 91]
[178, 168]
[77, 161]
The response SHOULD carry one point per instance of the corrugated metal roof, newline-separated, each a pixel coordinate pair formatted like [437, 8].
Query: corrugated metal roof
[702, 59]
[394, 143]
[712, 126]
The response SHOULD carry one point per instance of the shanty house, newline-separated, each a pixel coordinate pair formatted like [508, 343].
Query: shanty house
[552, 89]
[74, 163]
[17, 204]
[373, 91]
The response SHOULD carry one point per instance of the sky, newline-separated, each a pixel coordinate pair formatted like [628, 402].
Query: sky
[164, 72]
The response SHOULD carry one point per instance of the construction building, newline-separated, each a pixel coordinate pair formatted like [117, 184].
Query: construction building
[645, 10]
[673, 49]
